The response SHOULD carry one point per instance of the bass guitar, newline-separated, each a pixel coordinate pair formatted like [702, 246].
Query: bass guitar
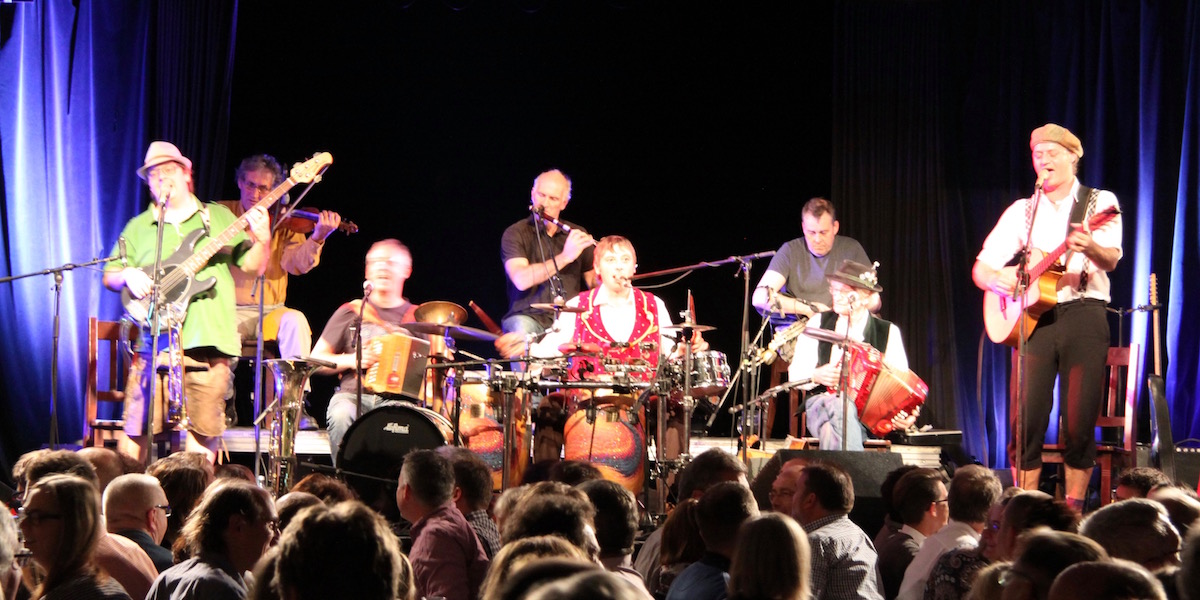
[177, 284]
[1002, 315]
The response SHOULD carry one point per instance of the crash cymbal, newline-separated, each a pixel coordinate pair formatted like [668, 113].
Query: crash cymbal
[556, 307]
[824, 335]
[579, 347]
[458, 332]
[441, 312]
[692, 326]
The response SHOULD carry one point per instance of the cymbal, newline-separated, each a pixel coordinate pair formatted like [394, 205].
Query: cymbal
[692, 326]
[458, 332]
[556, 307]
[579, 347]
[441, 312]
[825, 335]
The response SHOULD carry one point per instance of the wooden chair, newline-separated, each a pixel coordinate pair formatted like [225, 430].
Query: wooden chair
[1117, 422]
[107, 431]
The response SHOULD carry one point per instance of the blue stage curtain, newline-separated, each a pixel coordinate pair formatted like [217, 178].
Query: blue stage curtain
[84, 86]
[933, 105]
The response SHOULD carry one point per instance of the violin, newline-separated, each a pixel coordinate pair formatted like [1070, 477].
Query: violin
[304, 221]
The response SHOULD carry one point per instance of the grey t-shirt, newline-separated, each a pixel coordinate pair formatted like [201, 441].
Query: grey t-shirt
[804, 274]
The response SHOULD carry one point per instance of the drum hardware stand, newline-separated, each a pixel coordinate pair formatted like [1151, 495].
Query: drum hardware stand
[744, 263]
[338, 472]
[58, 280]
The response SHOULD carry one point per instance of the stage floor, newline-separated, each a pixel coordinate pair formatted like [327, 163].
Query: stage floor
[315, 444]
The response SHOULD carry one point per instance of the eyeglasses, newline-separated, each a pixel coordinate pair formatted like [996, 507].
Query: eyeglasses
[274, 524]
[773, 494]
[165, 508]
[946, 499]
[163, 170]
[262, 189]
[35, 517]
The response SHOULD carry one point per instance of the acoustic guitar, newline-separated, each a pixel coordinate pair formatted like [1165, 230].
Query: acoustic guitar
[1002, 315]
[178, 284]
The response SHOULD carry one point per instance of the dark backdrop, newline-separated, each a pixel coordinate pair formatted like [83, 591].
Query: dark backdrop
[695, 129]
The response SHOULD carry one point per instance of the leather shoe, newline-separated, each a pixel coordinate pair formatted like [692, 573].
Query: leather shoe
[307, 423]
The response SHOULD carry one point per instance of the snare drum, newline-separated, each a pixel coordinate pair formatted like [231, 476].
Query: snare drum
[483, 432]
[375, 445]
[710, 373]
[607, 438]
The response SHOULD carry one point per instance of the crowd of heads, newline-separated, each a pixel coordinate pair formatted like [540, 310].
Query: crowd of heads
[580, 531]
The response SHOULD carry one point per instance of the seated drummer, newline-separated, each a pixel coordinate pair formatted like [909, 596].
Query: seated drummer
[389, 264]
[625, 322]
[855, 287]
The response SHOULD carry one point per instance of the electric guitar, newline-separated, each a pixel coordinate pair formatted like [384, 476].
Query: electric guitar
[1002, 315]
[1163, 441]
[177, 284]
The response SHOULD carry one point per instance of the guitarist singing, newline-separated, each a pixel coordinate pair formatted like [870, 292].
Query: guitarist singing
[209, 334]
[1070, 338]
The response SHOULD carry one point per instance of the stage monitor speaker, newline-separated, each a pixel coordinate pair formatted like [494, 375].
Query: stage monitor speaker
[867, 470]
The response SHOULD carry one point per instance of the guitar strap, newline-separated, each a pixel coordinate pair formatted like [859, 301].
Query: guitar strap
[1081, 211]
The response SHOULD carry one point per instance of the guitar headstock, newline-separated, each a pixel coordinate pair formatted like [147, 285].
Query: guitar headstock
[311, 169]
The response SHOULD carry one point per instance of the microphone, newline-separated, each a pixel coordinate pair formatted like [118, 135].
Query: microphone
[853, 299]
[368, 287]
[1041, 179]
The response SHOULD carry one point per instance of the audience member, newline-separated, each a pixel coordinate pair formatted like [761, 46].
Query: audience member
[184, 484]
[956, 570]
[552, 508]
[891, 519]
[18, 471]
[106, 463]
[574, 472]
[988, 583]
[1187, 579]
[1106, 580]
[135, 506]
[784, 485]
[514, 555]
[616, 524]
[681, 546]
[708, 468]
[1136, 482]
[447, 557]
[61, 524]
[771, 560]
[473, 494]
[328, 489]
[234, 471]
[348, 540]
[1182, 506]
[532, 576]
[505, 503]
[1043, 554]
[10, 569]
[919, 499]
[1138, 530]
[122, 559]
[719, 515]
[290, 504]
[228, 532]
[973, 491]
[588, 585]
[843, 557]
[1028, 511]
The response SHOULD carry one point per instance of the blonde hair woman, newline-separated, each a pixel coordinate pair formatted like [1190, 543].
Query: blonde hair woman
[772, 560]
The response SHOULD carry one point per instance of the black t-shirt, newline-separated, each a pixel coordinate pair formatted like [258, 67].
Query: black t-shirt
[339, 331]
[520, 240]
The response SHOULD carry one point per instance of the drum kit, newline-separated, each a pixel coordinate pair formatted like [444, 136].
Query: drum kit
[604, 405]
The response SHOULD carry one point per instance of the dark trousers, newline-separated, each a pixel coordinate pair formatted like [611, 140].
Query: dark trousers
[1070, 343]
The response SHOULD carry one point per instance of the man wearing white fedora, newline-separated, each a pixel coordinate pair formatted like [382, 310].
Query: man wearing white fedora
[208, 336]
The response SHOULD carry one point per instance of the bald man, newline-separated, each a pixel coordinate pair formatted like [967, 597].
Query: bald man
[135, 506]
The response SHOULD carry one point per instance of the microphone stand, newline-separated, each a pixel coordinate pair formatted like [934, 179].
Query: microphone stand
[744, 263]
[358, 342]
[155, 331]
[554, 280]
[58, 280]
[1021, 287]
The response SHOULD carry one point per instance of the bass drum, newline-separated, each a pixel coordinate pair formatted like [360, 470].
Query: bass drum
[608, 438]
[373, 450]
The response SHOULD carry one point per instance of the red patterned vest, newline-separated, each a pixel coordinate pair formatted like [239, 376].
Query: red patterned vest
[643, 342]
